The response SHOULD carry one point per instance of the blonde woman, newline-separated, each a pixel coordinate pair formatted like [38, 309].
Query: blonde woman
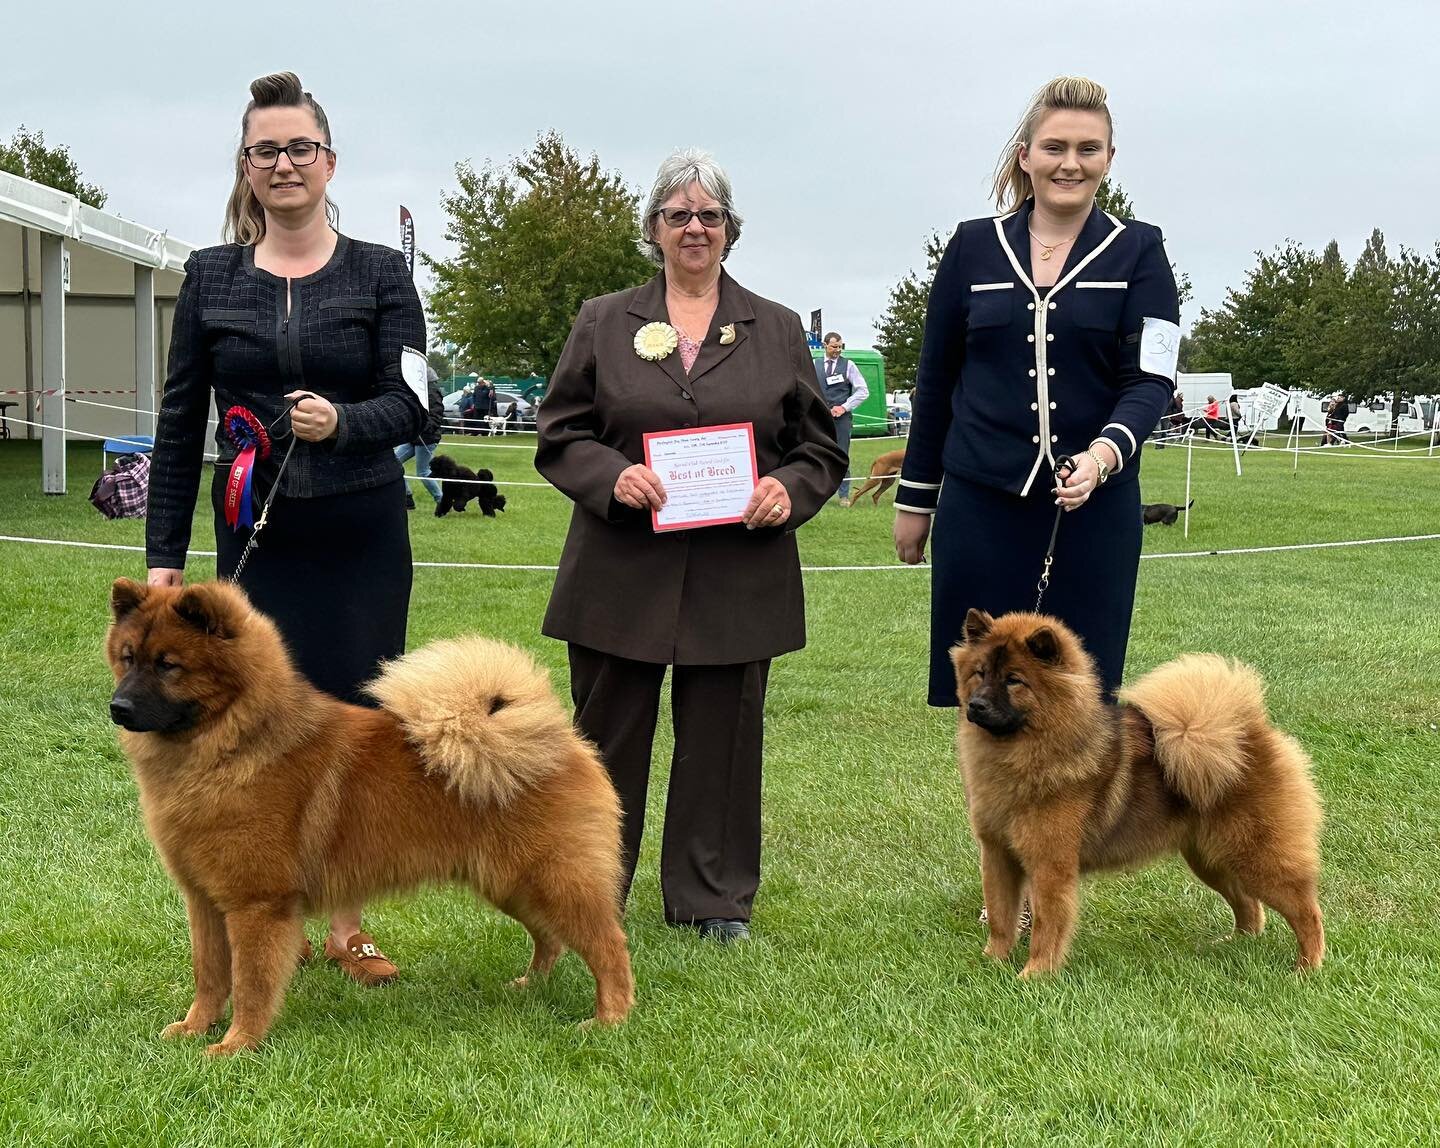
[1052, 331]
[311, 333]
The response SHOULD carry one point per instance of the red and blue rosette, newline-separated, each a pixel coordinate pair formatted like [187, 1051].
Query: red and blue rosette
[248, 433]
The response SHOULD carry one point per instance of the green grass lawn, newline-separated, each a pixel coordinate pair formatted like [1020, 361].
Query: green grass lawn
[863, 1012]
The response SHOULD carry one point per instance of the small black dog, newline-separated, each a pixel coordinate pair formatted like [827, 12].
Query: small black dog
[1163, 512]
[464, 485]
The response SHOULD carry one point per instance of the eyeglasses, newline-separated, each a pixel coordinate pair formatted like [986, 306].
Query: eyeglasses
[681, 216]
[302, 153]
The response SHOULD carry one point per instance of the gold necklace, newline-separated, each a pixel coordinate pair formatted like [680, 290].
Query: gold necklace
[1049, 249]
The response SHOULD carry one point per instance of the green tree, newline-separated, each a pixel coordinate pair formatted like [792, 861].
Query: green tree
[536, 238]
[27, 156]
[1111, 197]
[1253, 333]
[900, 331]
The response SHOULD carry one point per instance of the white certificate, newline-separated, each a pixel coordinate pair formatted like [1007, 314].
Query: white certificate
[708, 474]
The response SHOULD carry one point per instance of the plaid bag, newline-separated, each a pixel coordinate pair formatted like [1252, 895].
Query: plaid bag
[122, 490]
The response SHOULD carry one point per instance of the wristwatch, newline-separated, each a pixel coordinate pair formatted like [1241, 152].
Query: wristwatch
[1099, 465]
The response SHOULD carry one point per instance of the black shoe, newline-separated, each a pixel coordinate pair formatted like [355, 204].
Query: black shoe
[409, 502]
[722, 930]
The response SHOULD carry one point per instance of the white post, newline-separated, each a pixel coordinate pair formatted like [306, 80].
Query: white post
[144, 350]
[1294, 438]
[1434, 428]
[1234, 444]
[1189, 458]
[52, 362]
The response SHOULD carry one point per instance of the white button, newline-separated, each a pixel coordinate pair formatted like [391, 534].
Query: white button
[1029, 338]
[1052, 406]
[1049, 338]
[1052, 306]
[1030, 306]
[1036, 406]
[1054, 438]
[1032, 372]
[1052, 370]
[1035, 439]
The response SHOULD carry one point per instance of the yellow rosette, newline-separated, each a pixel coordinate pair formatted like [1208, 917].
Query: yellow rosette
[655, 340]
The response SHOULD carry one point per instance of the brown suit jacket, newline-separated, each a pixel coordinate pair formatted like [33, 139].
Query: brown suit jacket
[712, 596]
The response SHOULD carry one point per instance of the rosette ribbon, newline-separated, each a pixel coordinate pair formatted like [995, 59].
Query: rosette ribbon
[248, 433]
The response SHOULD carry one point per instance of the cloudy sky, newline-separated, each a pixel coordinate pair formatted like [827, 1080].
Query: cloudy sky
[850, 128]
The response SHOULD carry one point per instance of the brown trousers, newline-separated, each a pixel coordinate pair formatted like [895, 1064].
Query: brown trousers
[710, 849]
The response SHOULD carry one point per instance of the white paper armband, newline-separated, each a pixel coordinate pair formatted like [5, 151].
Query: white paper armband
[415, 370]
[1159, 347]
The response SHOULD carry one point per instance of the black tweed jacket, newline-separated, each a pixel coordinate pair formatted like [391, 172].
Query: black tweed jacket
[234, 339]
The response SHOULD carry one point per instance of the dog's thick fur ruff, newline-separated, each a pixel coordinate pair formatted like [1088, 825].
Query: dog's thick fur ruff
[883, 473]
[1060, 783]
[269, 800]
[459, 484]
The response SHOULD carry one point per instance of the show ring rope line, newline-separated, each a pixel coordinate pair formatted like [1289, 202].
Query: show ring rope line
[806, 569]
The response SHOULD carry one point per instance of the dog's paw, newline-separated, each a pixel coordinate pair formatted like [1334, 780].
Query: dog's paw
[997, 950]
[181, 1029]
[231, 1045]
[1033, 971]
[520, 984]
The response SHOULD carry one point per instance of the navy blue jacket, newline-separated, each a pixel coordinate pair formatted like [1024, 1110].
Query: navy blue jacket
[1011, 376]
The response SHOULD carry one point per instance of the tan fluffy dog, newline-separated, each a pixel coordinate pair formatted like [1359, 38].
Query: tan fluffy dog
[1059, 783]
[269, 800]
[883, 472]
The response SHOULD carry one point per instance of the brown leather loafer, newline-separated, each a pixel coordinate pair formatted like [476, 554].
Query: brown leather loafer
[361, 960]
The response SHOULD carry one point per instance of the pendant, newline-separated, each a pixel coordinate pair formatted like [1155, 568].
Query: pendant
[1047, 253]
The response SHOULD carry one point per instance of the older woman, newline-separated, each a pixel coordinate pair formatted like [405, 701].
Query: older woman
[717, 603]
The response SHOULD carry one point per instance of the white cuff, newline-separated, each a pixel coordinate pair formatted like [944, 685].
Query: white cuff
[914, 509]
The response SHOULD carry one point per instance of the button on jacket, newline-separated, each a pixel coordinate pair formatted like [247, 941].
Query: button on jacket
[717, 595]
[1012, 376]
[233, 337]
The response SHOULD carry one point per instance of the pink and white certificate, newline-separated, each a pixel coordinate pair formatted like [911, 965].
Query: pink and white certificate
[708, 474]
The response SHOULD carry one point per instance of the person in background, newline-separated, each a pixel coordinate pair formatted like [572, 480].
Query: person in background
[1210, 416]
[844, 389]
[484, 403]
[422, 450]
[342, 382]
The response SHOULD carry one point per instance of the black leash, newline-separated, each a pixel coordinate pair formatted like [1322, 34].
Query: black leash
[253, 542]
[1064, 462]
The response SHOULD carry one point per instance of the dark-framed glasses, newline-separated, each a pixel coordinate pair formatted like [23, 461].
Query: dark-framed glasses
[681, 216]
[302, 153]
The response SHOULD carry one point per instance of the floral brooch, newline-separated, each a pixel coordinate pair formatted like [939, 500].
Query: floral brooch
[655, 340]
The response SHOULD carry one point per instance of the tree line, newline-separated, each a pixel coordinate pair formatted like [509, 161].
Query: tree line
[1304, 320]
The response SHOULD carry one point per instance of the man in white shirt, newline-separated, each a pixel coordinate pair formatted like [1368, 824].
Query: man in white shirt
[844, 389]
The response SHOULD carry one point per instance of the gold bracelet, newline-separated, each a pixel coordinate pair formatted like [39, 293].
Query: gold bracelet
[1099, 465]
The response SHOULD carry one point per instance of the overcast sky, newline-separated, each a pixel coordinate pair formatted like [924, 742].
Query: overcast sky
[850, 129]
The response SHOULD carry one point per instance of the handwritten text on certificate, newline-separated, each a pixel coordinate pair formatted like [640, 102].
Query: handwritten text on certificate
[708, 474]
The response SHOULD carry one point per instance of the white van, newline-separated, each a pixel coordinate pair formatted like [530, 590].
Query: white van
[1367, 416]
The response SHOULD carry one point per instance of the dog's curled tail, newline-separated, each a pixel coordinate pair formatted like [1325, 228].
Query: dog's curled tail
[1203, 709]
[481, 714]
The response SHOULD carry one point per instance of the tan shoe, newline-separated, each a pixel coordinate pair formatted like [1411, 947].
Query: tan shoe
[361, 960]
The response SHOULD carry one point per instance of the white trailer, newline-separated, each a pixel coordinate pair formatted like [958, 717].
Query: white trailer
[1368, 416]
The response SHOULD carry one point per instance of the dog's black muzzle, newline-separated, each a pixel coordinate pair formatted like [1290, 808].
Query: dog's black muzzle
[992, 718]
[150, 715]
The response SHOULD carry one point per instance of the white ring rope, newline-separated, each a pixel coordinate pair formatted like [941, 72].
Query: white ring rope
[805, 569]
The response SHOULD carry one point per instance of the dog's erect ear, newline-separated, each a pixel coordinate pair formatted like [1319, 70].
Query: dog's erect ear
[1189, 504]
[125, 595]
[1043, 644]
[977, 624]
[211, 607]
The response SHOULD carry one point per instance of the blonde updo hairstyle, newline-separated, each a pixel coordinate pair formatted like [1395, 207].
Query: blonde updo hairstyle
[244, 217]
[1012, 185]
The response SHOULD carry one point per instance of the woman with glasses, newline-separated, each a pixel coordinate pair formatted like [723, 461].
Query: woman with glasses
[689, 349]
[320, 339]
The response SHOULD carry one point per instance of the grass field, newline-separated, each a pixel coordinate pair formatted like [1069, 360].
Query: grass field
[863, 1012]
